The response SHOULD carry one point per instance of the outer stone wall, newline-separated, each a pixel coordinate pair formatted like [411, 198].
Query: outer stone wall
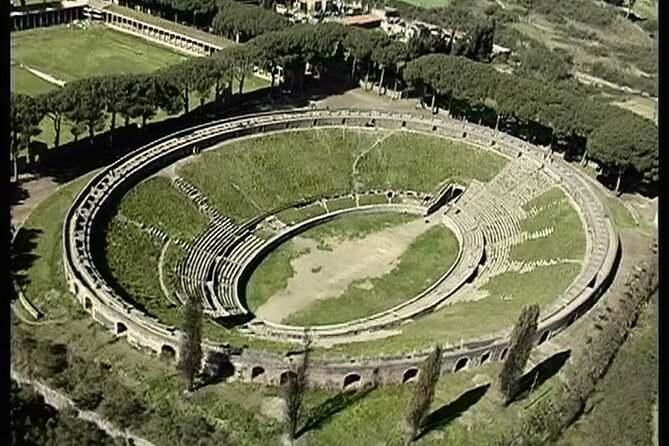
[145, 332]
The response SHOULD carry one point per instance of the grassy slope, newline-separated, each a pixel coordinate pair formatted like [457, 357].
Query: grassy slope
[567, 241]
[157, 203]
[354, 227]
[466, 320]
[45, 272]
[267, 172]
[622, 405]
[424, 261]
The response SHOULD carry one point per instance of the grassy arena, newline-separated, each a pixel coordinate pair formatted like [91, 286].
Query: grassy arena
[255, 175]
[428, 258]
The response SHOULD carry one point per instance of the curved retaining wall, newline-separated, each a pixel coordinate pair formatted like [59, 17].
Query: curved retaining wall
[109, 309]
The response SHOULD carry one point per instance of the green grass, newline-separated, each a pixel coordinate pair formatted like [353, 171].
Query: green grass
[364, 200]
[173, 254]
[294, 215]
[567, 241]
[132, 259]
[356, 226]
[467, 320]
[272, 275]
[157, 203]
[97, 51]
[424, 261]
[23, 81]
[171, 26]
[259, 174]
[340, 203]
[621, 410]
[411, 161]
[46, 284]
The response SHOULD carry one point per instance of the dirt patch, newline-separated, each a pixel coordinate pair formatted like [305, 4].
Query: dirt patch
[35, 191]
[323, 274]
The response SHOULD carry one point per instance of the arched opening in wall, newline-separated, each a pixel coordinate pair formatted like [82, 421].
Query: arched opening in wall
[544, 336]
[461, 364]
[503, 354]
[464, 134]
[121, 328]
[343, 121]
[434, 128]
[404, 124]
[485, 357]
[167, 352]
[351, 379]
[256, 372]
[87, 304]
[285, 376]
[314, 123]
[410, 375]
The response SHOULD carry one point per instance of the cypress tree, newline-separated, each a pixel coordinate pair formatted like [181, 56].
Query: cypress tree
[190, 358]
[423, 394]
[520, 347]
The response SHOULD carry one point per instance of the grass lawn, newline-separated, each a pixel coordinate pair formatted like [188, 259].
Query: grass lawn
[23, 81]
[424, 261]
[157, 203]
[468, 320]
[171, 26]
[45, 281]
[622, 409]
[97, 51]
[264, 173]
[272, 275]
[567, 241]
[294, 215]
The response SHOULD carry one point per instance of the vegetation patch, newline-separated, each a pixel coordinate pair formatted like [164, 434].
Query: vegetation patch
[429, 257]
[567, 241]
[467, 320]
[156, 203]
[272, 274]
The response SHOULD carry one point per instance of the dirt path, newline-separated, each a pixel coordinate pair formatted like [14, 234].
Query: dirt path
[326, 274]
[36, 190]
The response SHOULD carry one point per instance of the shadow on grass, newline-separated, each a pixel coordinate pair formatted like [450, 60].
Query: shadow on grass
[22, 256]
[18, 194]
[449, 412]
[331, 407]
[540, 374]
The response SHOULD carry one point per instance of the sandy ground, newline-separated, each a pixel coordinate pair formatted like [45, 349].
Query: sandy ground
[37, 190]
[321, 274]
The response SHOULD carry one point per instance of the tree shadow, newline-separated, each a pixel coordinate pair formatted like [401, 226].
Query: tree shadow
[449, 412]
[540, 374]
[22, 256]
[332, 406]
[18, 194]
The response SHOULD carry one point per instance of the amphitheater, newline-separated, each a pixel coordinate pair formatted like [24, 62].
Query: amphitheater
[485, 218]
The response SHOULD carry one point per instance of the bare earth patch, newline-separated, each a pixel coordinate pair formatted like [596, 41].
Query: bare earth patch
[321, 274]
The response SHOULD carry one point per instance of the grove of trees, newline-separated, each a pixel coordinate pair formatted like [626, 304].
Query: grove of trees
[536, 110]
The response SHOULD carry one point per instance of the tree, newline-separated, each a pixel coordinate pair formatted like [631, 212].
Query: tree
[520, 347]
[477, 43]
[54, 105]
[190, 357]
[623, 144]
[423, 393]
[84, 106]
[294, 389]
[25, 115]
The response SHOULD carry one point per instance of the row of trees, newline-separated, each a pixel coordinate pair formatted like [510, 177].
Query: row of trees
[241, 22]
[522, 106]
[608, 329]
[622, 142]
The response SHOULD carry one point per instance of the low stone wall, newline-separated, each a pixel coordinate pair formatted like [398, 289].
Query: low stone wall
[145, 332]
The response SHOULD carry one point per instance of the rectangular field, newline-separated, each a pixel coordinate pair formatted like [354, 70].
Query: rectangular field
[23, 81]
[97, 51]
